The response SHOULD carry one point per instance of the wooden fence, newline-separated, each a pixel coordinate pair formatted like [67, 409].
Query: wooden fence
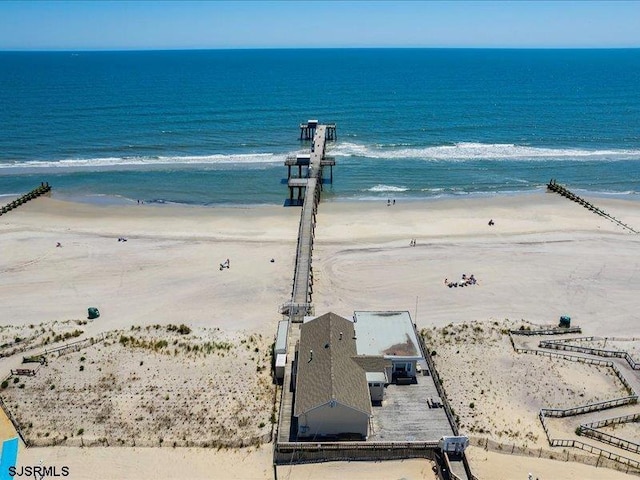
[602, 458]
[547, 331]
[313, 452]
[438, 384]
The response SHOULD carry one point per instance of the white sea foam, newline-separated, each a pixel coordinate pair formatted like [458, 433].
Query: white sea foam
[139, 161]
[458, 152]
[387, 188]
[477, 151]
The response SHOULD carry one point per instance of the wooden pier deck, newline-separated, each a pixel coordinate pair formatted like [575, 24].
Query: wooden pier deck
[302, 291]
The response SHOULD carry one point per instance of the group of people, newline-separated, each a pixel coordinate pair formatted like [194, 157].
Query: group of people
[412, 243]
[226, 264]
[389, 202]
[122, 239]
[464, 282]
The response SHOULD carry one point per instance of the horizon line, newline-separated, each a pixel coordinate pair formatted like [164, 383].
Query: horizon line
[186, 49]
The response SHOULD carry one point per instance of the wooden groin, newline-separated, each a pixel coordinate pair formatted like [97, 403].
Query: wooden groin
[559, 189]
[36, 192]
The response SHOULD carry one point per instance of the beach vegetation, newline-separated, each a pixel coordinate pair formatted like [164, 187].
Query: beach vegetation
[81, 431]
[15, 380]
[5, 384]
[21, 385]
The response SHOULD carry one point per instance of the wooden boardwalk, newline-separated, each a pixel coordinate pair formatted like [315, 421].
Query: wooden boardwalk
[303, 276]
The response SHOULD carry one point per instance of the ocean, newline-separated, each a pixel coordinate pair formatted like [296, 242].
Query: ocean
[213, 127]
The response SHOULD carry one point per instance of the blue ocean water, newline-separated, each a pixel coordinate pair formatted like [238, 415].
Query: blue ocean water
[214, 127]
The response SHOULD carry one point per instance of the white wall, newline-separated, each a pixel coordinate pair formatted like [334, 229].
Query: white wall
[325, 420]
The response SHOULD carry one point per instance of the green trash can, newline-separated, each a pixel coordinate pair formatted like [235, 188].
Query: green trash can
[565, 321]
[93, 313]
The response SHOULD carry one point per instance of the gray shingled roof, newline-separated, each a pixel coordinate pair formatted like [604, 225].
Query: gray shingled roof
[372, 363]
[330, 373]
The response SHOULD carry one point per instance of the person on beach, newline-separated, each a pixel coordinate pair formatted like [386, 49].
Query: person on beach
[58, 244]
[491, 223]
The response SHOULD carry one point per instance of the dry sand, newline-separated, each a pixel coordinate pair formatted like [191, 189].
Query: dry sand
[544, 257]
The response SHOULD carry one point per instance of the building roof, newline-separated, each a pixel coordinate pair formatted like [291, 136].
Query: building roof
[372, 363]
[389, 334]
[376, 377]
[329, 373]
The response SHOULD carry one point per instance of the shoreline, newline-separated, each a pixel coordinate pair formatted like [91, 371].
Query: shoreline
[118, 200]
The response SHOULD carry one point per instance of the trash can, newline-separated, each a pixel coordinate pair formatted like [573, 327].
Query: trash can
[93, 313]
[565, 321]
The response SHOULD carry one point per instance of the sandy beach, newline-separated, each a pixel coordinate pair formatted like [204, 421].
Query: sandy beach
[544, 257]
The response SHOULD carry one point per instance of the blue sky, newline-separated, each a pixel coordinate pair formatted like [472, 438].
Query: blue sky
[117, 25]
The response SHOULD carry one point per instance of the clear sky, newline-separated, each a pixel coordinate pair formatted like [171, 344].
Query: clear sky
[116, 25]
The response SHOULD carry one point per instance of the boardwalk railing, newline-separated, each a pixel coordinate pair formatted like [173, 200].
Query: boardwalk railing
[559, 189]
[616, 461]
[591, 407]
[562, 345]
[36, 192]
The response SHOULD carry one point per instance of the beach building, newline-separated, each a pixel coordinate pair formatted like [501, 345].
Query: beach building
[343, 366]
[392, 336]
[332, 394]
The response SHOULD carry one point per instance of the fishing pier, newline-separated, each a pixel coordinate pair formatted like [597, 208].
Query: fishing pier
[308, 184]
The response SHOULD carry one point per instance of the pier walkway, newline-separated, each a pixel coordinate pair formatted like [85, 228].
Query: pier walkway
[302, 291]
